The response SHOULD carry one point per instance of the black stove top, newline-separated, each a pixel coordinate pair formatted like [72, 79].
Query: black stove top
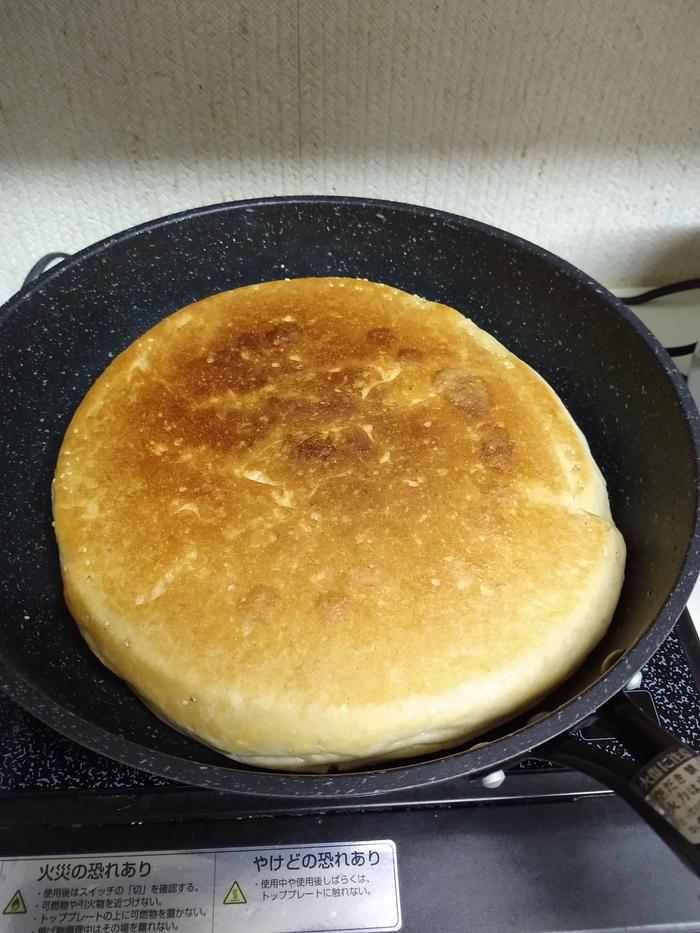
[594, 865]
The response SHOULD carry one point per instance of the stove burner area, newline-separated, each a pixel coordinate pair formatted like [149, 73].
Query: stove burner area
[36, 760]
[549, 846]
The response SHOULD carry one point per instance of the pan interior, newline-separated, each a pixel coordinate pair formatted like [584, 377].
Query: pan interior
[58, 335]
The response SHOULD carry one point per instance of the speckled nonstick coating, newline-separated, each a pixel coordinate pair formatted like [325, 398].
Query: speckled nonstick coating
[59, 333]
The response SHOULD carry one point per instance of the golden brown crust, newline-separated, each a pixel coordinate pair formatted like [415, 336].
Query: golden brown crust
[322, 520]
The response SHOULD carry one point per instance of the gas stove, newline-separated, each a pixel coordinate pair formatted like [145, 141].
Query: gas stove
[536, 847]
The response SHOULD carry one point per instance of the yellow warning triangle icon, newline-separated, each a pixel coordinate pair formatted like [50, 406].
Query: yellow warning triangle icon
[235, 895]
[16, 904]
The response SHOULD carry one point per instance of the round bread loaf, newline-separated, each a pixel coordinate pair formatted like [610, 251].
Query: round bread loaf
[324, 522]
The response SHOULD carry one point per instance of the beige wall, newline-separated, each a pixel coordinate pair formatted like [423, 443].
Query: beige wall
[571, 122]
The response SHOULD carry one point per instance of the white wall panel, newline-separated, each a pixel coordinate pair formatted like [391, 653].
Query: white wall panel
[574, 123]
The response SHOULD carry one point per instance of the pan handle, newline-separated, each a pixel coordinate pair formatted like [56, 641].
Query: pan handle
[41, 265]
[661, 779]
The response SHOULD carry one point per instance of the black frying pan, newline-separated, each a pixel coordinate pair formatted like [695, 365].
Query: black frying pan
[60, 332]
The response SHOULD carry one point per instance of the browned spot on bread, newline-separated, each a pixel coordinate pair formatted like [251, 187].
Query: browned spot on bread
[356, 442]
[314, 447]
[409, 355]
[227, 370]
[257, 603]
[381, 336]
[249, 341]
[313, 412]
[466, 392]
[497, 448]
[280, 407]
[332, 606]
[284, 333]
[344, 381]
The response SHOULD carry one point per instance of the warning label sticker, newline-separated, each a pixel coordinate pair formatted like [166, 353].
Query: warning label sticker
[670, 782]
[235, 895]
[288, 889]
[281, 889]
[16, 904]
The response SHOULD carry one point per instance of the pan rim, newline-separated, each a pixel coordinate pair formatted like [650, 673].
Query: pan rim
[398, 776]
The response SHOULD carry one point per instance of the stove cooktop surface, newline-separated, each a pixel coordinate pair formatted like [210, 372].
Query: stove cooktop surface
[537, 848]
[36, 761]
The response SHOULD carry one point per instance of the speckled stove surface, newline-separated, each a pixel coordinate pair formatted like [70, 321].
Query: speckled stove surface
[34, 758]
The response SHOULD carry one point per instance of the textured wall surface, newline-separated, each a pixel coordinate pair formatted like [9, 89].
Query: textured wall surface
[574, 123]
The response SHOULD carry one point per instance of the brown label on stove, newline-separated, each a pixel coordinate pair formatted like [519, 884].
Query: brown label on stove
[670, 783]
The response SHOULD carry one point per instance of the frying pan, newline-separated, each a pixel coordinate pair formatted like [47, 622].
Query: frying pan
[61, 330]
